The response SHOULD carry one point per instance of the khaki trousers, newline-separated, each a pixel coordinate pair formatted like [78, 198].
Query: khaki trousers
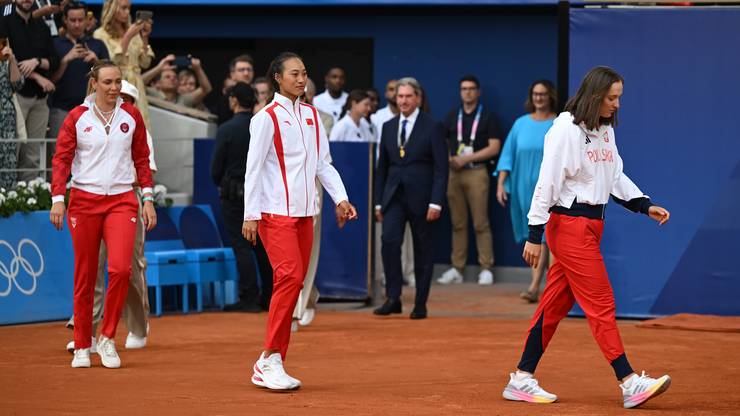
[468, 189]
[35, 113]
[136, 310]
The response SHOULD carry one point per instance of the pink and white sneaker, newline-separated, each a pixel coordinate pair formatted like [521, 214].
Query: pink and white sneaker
[639, 389]
[269, 373]
[524, 388]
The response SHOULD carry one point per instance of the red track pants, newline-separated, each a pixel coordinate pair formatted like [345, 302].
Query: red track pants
[90, 218]
[287, 241]
[578, 274]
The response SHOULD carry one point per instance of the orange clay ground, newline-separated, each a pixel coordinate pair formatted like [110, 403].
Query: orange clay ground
[352, 363]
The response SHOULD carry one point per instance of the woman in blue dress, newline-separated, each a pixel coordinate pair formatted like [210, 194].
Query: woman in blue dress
[519, 167]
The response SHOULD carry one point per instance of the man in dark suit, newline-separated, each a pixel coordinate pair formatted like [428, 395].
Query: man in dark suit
[411, 183]
[227, 171]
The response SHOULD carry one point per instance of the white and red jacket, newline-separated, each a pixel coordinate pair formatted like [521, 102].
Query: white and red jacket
[580, 166]
[101, 163]
[288, 150]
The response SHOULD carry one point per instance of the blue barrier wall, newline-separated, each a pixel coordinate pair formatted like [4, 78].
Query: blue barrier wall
[506, 48]
[678, 136]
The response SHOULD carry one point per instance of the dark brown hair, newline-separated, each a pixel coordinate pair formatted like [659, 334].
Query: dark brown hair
[241, 58]
[585, 106]
[355, 96]
[552, 94]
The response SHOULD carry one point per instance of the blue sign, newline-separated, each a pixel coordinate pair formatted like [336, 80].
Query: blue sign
[36, 269]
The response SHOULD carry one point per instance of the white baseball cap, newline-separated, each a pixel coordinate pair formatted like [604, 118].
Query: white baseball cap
[129, 89]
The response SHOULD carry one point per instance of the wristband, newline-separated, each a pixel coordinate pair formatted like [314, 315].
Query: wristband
[148, 198]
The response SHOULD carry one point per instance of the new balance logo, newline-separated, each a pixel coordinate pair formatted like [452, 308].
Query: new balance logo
[133, 219]
[73, 221]
[88, 129]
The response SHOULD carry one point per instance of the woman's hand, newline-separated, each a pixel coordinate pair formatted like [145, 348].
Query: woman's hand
[345, 211]
[249, 231]
[133, 30]
[501, 196]
[56, 215]
[659, 214]
[532, 253]
[150, 215]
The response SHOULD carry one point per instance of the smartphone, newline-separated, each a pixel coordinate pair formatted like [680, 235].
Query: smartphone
[182, 61]
[144, 15]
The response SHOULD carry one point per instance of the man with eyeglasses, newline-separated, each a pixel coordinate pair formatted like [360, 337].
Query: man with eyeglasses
[241, 69]
[473, 141]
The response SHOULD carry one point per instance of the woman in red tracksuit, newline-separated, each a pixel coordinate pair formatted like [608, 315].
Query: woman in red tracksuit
[288, 151]
[580, 169]
[102, 143]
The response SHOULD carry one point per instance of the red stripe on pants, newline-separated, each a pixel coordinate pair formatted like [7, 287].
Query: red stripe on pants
[287, 241]
[90, 218]
[578, 274]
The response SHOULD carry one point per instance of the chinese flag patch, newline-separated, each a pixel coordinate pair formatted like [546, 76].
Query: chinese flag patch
[309, 121]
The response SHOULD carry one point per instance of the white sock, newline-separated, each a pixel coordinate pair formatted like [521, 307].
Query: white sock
[521, 375]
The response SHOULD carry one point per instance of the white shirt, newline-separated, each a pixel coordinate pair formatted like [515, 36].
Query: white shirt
[579, 166]
[379, 118]
[330, 105]
[282, 168]
[101, 163]
[347, 131]
[410, 120]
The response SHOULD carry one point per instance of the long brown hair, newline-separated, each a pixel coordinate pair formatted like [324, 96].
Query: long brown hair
[95, 71]
[585, 106]
[110, 7]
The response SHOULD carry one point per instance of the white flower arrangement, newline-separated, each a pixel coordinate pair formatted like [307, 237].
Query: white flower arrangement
[160, 196]
[25, 197]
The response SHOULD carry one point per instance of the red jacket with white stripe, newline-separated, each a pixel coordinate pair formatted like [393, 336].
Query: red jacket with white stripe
[100, 163]
[288, 151]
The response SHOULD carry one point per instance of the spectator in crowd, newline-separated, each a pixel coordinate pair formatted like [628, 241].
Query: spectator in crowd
[327, 120]
[389, 111]
[286, 228]
[102, 202]
[353, 126]
[332, 100]
[167, 83]
[227, 171]
[128, 45]
[410, 188]
[473, 140]
[519, 167]
[11, 81]
[91, 23]
[77, 53]
[241, 69]
[136, 309]
[407, 249]
[34, 51]
[263, 90]
[372, 93]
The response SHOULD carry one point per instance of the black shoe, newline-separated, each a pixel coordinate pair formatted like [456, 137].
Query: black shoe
[243, 306]
[390, 306]
[419, 312]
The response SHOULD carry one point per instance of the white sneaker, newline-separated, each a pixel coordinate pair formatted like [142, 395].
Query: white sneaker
[93, 346]
[81, 358]
[485, 277]
[450, 276]
[294, 325]
[134, 341]
[269, 372]
[525, 389]
[107, 352]
[307, 317]
[639, 389]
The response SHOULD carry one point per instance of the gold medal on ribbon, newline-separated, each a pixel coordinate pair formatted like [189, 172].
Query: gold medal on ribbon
[401, 152]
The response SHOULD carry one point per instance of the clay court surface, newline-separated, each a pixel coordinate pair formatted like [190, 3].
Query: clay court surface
[352, 363]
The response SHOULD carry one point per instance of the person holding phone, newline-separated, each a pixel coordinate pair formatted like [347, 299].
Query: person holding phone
[288, 152]
[128, 44]
[77, 52]
[11, 81]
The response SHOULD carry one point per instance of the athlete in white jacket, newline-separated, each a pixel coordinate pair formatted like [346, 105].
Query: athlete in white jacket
[580, 169]
[288, 151]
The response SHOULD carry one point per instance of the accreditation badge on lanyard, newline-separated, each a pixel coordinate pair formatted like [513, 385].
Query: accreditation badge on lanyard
[462, 149]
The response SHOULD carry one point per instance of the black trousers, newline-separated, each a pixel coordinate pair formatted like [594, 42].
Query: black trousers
[246, 256]
[395, 217]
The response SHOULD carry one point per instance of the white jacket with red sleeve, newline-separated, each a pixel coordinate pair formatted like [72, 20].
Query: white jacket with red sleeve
[101, 163]
[288, 150]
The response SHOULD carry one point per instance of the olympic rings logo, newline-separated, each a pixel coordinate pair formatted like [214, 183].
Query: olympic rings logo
[19, 261]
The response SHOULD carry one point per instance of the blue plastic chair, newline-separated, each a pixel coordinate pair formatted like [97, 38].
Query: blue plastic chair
[166, 261]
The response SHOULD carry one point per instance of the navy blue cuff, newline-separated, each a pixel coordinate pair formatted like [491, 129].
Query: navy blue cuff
[535, 233]
[641, 204]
